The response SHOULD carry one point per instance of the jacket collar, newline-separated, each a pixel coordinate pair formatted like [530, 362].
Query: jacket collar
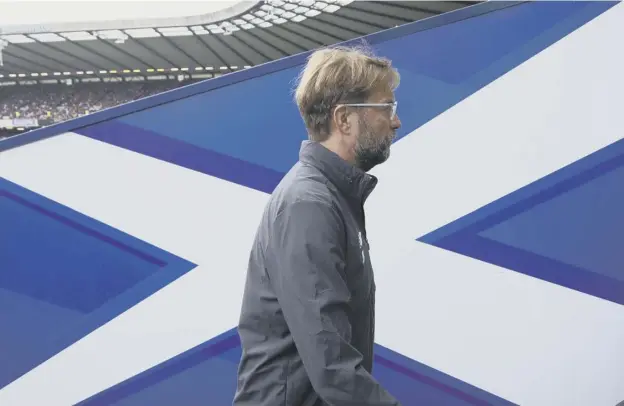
[350, 180]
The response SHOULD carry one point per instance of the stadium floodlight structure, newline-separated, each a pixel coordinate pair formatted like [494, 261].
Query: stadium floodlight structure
[3, 44]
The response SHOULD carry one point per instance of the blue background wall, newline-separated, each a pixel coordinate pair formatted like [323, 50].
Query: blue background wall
[64, 274]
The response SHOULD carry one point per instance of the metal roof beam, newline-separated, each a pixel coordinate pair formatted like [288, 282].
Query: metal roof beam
[432, 8]
[349, 15]
[247, 40]
[20, 69]
[183, 52]
[270, 45]
[241, 41]
[268, 33]
[311, 39]
[289, 40]
[216, 54]
[64, 52]
[317, 25]
[136, 58]
[91, 51]
[384, 11]
[234, 51]
[41, 57]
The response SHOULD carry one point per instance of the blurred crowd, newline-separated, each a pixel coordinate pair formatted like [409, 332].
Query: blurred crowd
[59, 102]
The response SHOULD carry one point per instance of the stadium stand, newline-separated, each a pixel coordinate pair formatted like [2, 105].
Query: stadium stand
[58, 103]
[51, 73]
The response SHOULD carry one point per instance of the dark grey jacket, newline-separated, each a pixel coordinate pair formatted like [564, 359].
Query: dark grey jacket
[308, 313]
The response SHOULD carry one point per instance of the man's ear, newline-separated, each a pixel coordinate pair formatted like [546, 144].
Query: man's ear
[340, 118]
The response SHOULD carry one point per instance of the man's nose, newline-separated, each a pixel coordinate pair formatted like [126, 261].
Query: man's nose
[396, 122]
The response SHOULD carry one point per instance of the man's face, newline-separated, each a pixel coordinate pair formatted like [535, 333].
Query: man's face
[376, 131]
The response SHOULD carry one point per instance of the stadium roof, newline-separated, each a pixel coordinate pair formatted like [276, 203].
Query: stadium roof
[248, 33]
[37, 13]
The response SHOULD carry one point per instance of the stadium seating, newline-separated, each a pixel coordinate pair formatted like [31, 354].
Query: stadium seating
[61, 102]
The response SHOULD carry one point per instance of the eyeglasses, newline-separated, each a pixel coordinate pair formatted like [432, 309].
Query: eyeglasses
[393, 105]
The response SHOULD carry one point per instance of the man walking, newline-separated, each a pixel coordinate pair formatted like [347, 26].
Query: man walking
[308, 314]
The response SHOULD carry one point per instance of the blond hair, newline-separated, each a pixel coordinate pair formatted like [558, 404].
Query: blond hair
[339, 75]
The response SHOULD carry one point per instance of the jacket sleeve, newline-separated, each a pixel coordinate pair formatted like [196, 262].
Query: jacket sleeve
[308, 275]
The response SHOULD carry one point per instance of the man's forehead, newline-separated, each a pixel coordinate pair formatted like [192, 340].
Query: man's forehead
[382, 96]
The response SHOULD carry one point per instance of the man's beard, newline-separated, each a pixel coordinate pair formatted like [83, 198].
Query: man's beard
[371, 149]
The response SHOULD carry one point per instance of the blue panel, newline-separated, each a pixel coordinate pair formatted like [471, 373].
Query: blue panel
[184, 154]
[209, 383]
[63, 275]
[414, 383]
[583, 227]
[565, 228]
[206, 374]
[199, 376]
[257, 122]
[441, 67]
[52, 260]
[541, 190]
[27, 327]
[479, 43]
